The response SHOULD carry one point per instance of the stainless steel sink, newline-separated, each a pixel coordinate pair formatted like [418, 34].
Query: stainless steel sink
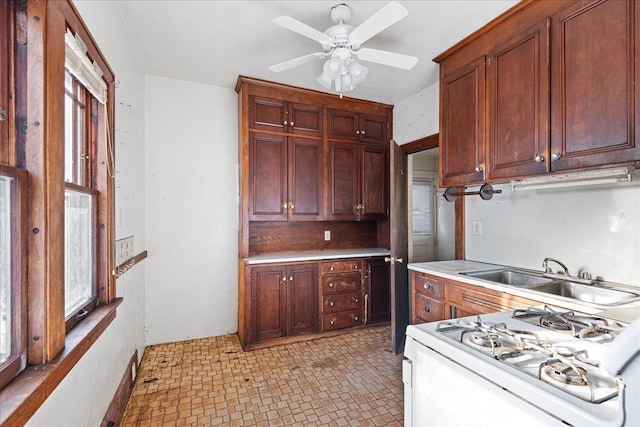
[509, 277]
[597, 293]
[594, 294]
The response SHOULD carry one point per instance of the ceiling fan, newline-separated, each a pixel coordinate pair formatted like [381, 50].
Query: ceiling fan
[341, 43]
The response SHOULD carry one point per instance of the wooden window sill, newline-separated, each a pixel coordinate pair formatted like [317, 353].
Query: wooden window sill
[22, 397]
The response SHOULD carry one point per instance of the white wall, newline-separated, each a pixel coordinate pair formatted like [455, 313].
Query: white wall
[192, 210]
[593, 228]
[83, 397]
[416, 116]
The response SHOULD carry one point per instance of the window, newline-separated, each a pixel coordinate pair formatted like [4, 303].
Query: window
[422, 198]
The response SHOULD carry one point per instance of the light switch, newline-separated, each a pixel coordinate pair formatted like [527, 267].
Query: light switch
[476, 228]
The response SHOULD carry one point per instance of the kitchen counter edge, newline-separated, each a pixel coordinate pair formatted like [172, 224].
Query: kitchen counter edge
[316, 255]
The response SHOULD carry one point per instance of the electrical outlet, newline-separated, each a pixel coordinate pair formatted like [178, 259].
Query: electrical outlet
[327, 235]
[476, 228]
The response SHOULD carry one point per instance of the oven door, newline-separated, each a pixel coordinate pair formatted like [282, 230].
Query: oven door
[441, 392]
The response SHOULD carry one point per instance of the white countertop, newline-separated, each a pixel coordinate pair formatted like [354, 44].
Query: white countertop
[452, 269]
[316, 255]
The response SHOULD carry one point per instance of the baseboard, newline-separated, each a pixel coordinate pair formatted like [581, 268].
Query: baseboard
[119, 402]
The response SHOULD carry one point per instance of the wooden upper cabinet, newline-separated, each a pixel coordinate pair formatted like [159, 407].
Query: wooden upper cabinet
[462, 115]
[275, 115]
[374, 187]
[361, 127]
[358, 182]
[305, 179]
[594, 62]
[343, 181]
[268, 177]
[285, 179]
[518, 86]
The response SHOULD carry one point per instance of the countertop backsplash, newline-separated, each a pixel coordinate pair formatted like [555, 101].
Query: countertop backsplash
[589, 228]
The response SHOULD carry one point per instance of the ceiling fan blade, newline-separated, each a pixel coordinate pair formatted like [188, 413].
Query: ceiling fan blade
[298, 27]
[297, 61]
[390, 13]
[384, 57]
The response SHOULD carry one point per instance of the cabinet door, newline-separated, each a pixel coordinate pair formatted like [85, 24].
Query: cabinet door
[595, 111]
[374, 183]
[268, 177]
[267, 114]
[305, 179]
[305, 119]
[519, 105]
[302, 299]
[374, 129]
[343, 181]
[462, 126]
[378, 291]
[343, 125]
[268, 302]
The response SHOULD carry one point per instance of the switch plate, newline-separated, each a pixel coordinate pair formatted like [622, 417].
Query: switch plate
[327, 235]
[476, 228]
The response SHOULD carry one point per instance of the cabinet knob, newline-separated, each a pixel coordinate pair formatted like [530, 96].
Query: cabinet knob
[330, 284]
[285, 123]
[284, 206]
[284, 279]
[291, 124]
[357, 132]
[291, 205]
[478, 169]
[427, 309]
[331, 268]
[556, 156]
[539, 158]
[427, 286]
[355, 300]
[355, 266]
[355, 318]
[331, 303]
[291, 278]
[361, 132]
[332, 322]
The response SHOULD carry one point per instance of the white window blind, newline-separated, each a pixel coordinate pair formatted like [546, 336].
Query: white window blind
[80, 66]
[422, 201]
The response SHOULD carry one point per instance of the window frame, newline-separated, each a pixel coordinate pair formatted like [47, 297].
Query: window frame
[10, 368]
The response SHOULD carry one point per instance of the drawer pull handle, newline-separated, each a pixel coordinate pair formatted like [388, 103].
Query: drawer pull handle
[355, 267]
[331, 303]
[330, 284]
[427, 309]
[331, 268]
[355, 318]
[332, 322]
[355, 300]
[427, 286]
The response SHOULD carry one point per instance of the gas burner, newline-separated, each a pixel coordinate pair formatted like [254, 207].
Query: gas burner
[580, 325]
[484, 339]
[565, 373]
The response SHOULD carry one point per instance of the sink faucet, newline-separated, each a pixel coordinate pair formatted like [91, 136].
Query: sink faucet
[547, 269]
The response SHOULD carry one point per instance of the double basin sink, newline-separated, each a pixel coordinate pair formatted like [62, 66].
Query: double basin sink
[597, 292]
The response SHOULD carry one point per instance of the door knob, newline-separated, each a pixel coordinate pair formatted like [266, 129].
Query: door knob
[393, 260]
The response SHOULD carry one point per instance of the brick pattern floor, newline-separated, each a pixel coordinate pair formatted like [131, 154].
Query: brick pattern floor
[347, 380]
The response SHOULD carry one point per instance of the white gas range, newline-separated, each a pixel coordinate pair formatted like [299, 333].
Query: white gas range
[524, 367]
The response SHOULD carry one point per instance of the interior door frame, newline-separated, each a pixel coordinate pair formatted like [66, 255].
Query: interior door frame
[399, 233]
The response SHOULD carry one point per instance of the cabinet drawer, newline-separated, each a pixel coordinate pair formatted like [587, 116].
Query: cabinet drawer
[343, 319]
[343, 265]
[426, 286]
[343, 282]
[340, 302]
[427, 309]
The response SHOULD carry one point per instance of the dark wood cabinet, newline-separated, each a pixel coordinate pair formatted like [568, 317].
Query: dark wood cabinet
[518, 85]
[560, 89]
[283, 301]
[462, 125]
[594, 64]
[286, 178]
[377, 291]
[362, 127]
[342, 294]
[276, 115]
[435, 298]
[358, 181]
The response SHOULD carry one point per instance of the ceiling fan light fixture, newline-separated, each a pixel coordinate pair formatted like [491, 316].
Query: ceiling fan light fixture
[325, 80]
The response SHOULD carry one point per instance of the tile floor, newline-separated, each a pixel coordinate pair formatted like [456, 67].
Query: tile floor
[346, 380]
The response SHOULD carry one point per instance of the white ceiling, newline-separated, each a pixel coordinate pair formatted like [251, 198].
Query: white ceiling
[213, 42]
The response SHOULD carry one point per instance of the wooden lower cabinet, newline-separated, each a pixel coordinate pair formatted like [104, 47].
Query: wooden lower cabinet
[435, 298]
[377, 291]
[283, 301]
[342, 294]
